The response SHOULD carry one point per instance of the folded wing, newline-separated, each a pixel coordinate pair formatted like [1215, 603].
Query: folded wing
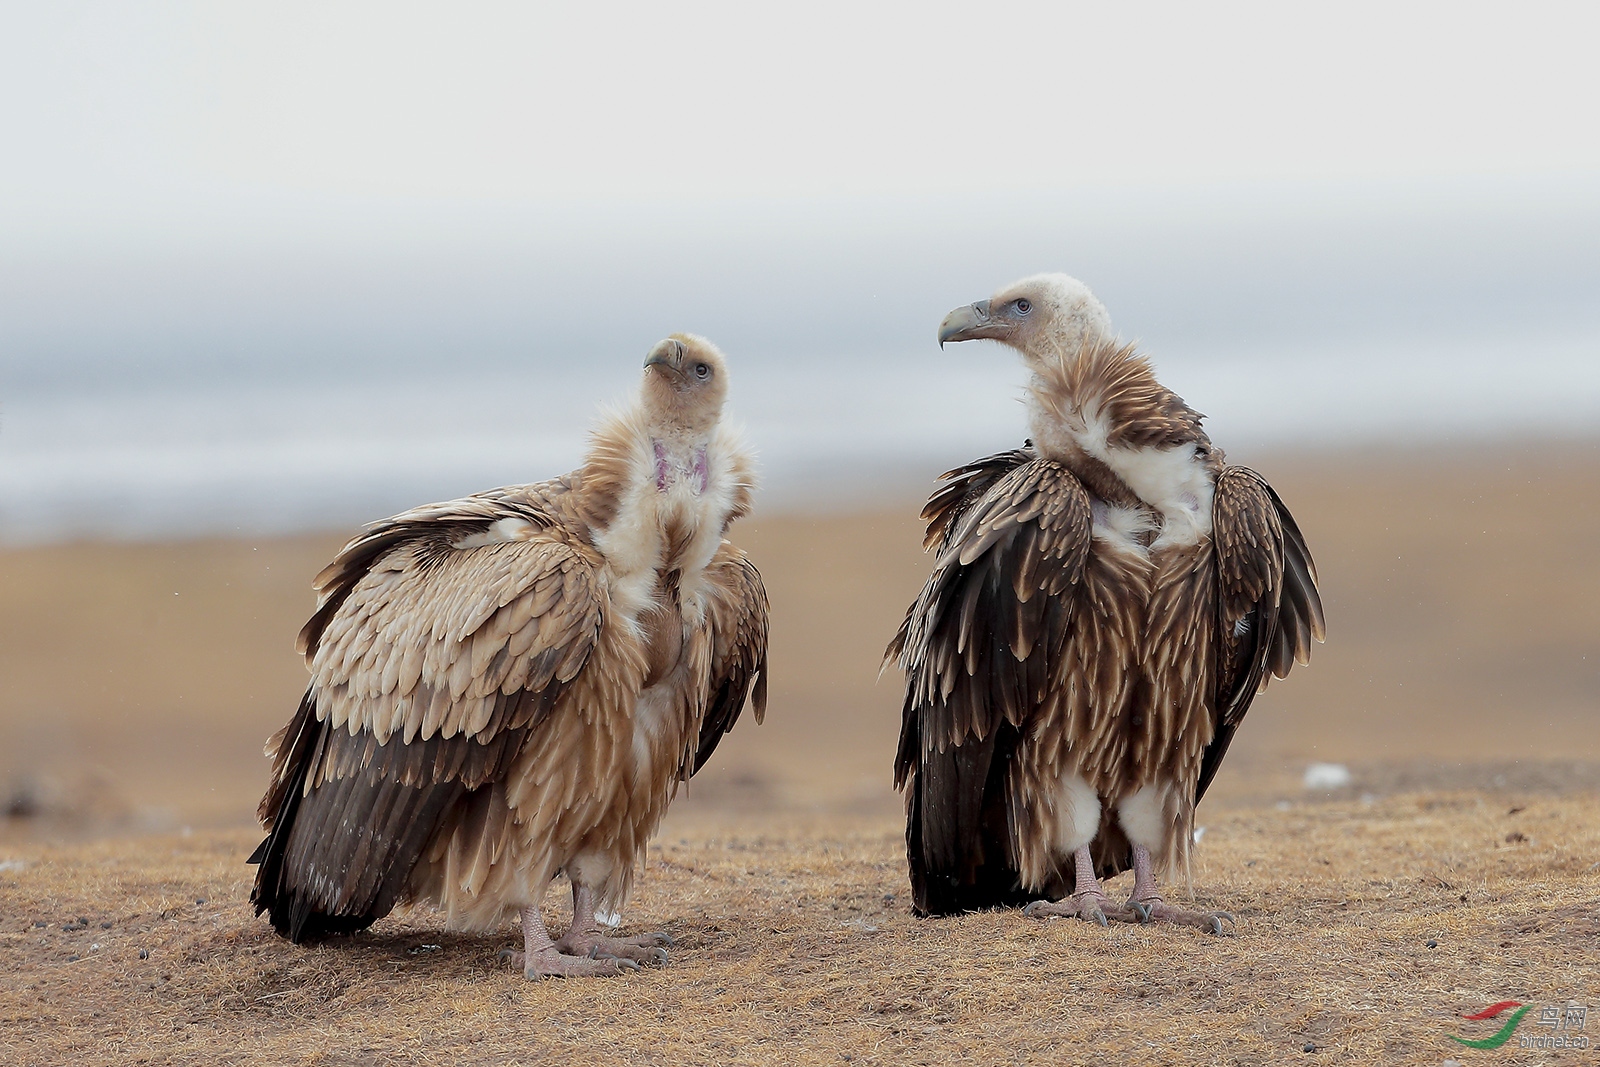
[737, 616]
[981, 647]
[444, 636]
[1269, 609]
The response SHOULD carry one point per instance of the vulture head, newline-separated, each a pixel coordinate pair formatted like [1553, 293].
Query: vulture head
[685, 383]
[1047, 316]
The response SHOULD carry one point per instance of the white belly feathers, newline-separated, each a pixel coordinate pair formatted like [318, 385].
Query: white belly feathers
[1174, 481]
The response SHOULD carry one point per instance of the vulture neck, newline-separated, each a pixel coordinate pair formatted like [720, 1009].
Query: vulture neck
[1097, 409]
[660, 500]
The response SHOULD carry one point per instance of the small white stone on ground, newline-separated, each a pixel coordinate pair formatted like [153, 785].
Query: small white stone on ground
[1327, 776]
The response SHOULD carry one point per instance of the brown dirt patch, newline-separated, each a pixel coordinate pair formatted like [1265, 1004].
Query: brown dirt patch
[795, 945]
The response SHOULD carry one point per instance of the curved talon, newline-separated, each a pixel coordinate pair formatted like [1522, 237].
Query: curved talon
[661, 956]
[1216, 923]
[627, 965]
[1032, 911]
[1099, 917]
[1141, 910]
[508, 955]
[665, 938]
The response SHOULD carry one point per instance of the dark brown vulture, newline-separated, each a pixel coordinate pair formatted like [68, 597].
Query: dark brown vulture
[511, 686]
[1106, 602]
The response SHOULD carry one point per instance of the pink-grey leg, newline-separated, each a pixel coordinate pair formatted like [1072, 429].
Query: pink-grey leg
[1088, 903]
[583, 937]
[1151, 907]
[541, 958]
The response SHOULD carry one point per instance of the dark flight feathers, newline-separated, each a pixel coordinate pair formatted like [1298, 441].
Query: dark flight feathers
[1269, 610]
[739, 657]
[1013, 533]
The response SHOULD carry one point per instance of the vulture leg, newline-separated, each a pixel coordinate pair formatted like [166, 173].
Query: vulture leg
[1147, 900]
[540, 958]
[1089, 903]
[583, 937]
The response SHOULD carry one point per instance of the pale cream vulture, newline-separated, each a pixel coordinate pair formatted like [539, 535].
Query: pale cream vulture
[511, 686]
[1105, 604]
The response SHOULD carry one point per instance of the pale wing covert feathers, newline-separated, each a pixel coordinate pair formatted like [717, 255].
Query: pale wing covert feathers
[430, 665]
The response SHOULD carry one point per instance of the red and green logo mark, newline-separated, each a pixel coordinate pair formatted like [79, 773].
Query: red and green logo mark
[1505, 1031]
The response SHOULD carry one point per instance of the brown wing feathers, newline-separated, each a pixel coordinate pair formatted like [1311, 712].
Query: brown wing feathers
[339, 856]
[1268, 607]
[980, 647]
[739, 656]
[1017, 548]
[428, 672]
[440, 523]
[963, 487]
[1301, 620]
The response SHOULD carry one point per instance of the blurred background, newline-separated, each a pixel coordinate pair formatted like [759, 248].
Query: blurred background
[270, 271]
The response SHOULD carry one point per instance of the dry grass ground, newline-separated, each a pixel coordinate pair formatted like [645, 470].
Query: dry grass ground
[1461, 681]
[1364, 929]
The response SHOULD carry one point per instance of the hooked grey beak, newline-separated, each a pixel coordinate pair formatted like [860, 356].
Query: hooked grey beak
[966, 323]
[668, 353]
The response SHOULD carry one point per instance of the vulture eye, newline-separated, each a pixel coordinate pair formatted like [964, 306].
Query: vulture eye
[1023, 307]
[702, 371]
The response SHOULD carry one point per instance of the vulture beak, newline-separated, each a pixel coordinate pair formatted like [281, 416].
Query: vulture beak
[966, 323]
[668, 354]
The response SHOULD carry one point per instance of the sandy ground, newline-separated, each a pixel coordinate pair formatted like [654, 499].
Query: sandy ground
[1461, 680]
[1365, 930]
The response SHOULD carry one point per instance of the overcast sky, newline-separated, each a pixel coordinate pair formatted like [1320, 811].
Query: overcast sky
[129, 113]
[286, 185]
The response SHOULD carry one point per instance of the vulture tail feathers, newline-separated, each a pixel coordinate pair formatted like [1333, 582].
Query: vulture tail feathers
[957, 830]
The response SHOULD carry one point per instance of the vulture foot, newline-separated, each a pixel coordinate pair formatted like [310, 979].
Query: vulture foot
[1090, 906]
[583, 937]
[1089, 903]
[1156, 910]
[543, 958]
[1147, 901]
[550, 963]
[646, 949]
